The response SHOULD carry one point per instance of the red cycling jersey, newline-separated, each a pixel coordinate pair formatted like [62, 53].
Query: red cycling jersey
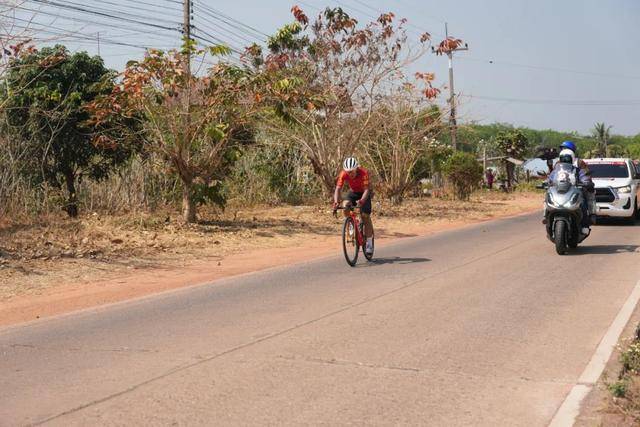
[357, 184]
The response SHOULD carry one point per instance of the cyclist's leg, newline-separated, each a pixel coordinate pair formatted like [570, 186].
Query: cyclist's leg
[366, 217]
[350, 201]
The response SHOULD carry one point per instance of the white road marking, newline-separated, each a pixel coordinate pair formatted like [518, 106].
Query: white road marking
[570, 408]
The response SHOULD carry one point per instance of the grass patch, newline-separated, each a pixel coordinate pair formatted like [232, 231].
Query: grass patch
[625, 391]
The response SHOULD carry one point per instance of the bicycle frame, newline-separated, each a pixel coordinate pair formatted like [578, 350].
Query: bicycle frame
[357, 221]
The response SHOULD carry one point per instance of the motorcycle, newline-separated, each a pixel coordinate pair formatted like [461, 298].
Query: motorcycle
[563, 209]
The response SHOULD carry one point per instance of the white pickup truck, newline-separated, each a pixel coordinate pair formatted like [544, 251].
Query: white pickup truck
[617, 183]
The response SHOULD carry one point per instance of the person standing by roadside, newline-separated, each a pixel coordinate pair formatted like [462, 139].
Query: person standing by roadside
[490, 178]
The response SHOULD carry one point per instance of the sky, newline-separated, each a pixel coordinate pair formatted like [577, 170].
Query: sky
[545, 64]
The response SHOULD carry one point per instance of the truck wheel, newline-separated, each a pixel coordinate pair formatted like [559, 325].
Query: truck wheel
[634, 215]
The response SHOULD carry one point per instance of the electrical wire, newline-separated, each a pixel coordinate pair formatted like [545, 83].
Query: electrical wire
[101, 14]
[212, 25]
[552, 69]
[584, 103]
[225, 16]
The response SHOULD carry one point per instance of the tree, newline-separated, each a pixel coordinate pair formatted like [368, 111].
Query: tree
[400, 140]
[464, 172]
[616, 150]
[193, 122]
[323, 81]
[601, 133]
[45, 99]
[511, 144]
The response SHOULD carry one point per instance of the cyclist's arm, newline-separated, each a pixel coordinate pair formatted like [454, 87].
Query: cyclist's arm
[365, 196]
[336, 195]
[367, 191]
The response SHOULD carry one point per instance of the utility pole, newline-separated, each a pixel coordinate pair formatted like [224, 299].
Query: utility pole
[452, 99]
[98, 37]
[186, 17]
[484, 155]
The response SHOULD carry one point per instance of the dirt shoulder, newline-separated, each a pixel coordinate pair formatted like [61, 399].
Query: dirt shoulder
[601, 407]
[58, 266]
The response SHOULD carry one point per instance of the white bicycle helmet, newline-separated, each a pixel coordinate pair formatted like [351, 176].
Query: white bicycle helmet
[350, 164]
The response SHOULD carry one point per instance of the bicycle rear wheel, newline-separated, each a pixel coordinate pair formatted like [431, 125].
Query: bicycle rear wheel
[350, 241]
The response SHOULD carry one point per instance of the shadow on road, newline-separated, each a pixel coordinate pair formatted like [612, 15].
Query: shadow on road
[606, 249]
[398, 260]
[621, 222]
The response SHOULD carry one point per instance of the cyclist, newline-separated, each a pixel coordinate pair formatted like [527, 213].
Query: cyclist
[360, 194]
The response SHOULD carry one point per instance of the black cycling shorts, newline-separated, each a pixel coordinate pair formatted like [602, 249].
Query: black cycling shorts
[354, 197]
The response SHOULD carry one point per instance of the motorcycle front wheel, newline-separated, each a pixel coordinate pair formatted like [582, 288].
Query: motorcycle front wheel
[560, 237]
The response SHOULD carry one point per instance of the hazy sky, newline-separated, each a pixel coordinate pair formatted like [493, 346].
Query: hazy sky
[561, 64]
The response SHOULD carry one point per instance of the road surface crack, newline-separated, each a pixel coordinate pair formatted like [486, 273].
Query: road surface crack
[423, 371]
[84, 350]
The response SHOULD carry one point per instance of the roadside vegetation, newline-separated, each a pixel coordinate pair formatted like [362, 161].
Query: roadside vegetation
[170, 145]
[624, 399]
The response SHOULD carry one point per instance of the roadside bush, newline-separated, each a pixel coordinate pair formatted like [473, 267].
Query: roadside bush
[464, 172]
[273, 173]
[625, 391]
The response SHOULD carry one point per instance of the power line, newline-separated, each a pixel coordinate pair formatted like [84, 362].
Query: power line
[552, 69]
[119, 13]
[415, 27]
[133, 7]
[104, 15]
[220, 28]
[585, 103]
[230, 18]
[84, 20]
[63, 34]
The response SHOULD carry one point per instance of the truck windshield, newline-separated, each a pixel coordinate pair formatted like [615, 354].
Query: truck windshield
[609, 170]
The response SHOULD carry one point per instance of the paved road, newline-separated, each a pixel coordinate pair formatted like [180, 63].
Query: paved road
[481, 326]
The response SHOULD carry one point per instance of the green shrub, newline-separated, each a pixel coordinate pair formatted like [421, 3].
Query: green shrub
[273, 174]
[618, 389]
[464, 172]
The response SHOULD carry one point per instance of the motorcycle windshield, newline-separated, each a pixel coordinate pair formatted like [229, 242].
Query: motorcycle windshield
[565, 176]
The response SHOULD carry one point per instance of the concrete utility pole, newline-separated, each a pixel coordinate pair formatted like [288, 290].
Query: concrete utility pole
[452, 99]
[186, 16]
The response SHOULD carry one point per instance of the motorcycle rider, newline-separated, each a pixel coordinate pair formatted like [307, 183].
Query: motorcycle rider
[579, 163]
[568, 156]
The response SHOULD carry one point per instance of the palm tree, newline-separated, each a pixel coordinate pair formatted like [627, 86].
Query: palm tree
[601, 134]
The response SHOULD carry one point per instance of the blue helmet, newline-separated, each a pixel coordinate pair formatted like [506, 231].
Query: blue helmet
[569, 145]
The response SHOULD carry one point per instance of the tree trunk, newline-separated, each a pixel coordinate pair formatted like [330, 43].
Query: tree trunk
[326, 178]
[188, 204]
[72, 199]
[396, 198]
[509, 167]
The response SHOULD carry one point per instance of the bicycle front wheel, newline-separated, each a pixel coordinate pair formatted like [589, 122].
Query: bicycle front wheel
[350, 241]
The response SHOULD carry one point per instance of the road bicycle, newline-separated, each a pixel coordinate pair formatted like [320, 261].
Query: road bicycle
[353, 235]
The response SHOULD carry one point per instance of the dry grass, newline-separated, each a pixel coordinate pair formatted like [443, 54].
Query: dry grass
[34, 256]
[622, 406]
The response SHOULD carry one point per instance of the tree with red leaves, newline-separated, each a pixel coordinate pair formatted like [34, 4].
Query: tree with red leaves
[190, 121]
[324, 79]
